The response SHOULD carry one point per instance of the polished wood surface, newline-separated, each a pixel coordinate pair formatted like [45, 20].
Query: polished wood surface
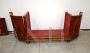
[3, 27]
[72, 24]
[22, 27]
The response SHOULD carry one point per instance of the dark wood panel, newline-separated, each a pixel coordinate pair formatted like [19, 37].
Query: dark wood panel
[74, 24]
[3, 27]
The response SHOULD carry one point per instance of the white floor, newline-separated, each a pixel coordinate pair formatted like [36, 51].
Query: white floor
[9, 44]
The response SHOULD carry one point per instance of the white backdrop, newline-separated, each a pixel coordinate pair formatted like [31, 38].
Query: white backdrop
[46, 13]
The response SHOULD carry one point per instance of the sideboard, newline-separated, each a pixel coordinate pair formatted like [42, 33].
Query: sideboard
[22, 27]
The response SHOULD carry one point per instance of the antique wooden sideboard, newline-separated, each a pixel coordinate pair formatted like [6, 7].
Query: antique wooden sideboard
[22, 27]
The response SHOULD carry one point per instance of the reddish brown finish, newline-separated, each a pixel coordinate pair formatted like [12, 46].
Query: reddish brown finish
[72, 24]
[27, 20]
[23, 30]
[56, 35]
[3, 27]
[19, 27]
[67, 22]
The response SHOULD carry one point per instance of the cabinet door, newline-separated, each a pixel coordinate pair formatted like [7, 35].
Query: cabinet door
[67, 22]
[3, 27]
[27, 21]
[18, 25]
[77, 22]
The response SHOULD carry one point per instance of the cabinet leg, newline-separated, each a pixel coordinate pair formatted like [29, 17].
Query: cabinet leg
[28, 42]
[67, 40]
